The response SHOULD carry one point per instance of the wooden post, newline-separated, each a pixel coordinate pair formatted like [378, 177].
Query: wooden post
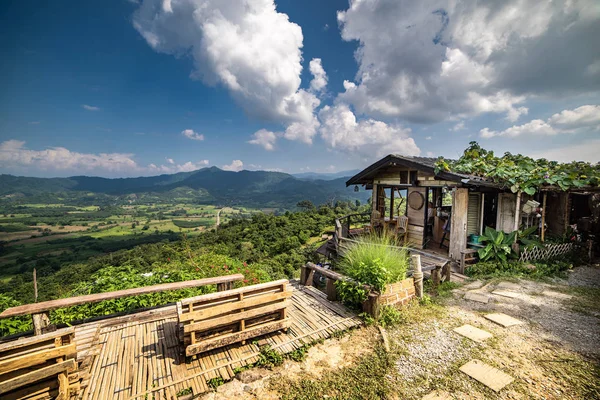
[435, 276]
[544, 216]
[517, 214]
[303, 274]
[35, 291]
[447, 271]
[417, 275]
[391, 204]
[41, 322]
[309, 279]
[330, 290]
[371, 305]
[481, 216]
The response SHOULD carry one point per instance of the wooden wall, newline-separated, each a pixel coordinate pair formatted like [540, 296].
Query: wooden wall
[557, 213]
[458, 228]
[416, 220]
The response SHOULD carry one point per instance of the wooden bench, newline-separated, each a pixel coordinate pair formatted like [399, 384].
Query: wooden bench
[219, 319]
[39, 367]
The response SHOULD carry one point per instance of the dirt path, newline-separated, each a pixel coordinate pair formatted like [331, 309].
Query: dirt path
[554, 354]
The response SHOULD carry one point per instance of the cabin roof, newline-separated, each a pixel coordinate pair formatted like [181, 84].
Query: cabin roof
[425, 164]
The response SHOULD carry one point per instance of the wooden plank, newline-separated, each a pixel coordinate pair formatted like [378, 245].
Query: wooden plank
[94, 298]
[486, 374]
[40, 357]
[236, 337]
[233, 292]
[458, 226]
[22, 342]
[37, 375]
[233, 306]
[234, 318]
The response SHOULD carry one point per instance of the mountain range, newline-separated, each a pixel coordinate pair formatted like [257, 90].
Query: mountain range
[207, 185]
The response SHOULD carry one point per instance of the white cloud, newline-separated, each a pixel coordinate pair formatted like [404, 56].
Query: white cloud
[190, 134]
[302, 131]
[264, 138]
[16, 157]
[367, 138]
[319, 80]
[428, 138]
[236, 166]
[586, 151]
[458, 127]
[90, 108]
[170, 160]
[429, 61]
[567, 121]
[245, 45]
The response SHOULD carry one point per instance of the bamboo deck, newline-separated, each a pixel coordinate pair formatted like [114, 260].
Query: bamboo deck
[138, 355]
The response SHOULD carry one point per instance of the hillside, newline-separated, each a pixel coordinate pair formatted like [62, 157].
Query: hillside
[208, 185]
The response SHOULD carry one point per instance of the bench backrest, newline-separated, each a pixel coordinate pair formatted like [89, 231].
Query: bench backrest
[218, 319]
[40, 365]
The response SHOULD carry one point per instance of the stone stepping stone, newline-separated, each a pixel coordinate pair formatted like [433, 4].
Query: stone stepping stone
[473, 333]
[557, 295]
[437, 395]
[503, 319]
[486, 374]
[473, 285]
[479, 297]
[506, 293]
[508, 286]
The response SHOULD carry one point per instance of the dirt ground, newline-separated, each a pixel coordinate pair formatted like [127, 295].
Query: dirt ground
[555, 354]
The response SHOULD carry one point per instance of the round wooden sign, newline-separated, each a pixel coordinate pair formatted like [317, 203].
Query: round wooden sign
[416, 200]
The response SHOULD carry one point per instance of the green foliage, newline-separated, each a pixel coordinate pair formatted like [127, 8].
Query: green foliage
[12, 325]
[269, 358]
[191, 224]
[184, 392]
[351, 294]
[543, 269]
[390, 316]
[374, 261]
[299, 354]
[521, 173]
[499, 247]
[215, 382]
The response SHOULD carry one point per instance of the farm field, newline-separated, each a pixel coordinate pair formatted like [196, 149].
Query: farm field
[59, 233]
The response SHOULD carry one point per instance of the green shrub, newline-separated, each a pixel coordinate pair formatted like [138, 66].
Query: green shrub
[351, 294]
[9, 326]
[390, 316]
[546, 268]
[268, 358]
[375, 260]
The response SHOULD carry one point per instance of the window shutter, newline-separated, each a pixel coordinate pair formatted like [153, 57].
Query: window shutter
[474, 213]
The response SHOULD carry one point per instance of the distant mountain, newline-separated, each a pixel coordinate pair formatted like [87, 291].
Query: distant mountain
[207, 185]
[326, 176]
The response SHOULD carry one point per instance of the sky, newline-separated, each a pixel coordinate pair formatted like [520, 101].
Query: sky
[136, 88]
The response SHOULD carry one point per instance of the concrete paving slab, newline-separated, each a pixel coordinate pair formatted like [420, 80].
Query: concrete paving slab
[437, 395]
[557, 295]
[473, 333]
[473, 285]
[507, 293]
[503, 319]
[486, 374]
[479, 297]
[508, 286]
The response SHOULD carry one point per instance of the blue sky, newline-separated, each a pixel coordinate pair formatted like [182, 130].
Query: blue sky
[142, 88]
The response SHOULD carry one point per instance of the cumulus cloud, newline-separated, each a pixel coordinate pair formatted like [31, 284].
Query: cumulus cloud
[236, 166]
[264, 138]
[16, 157]
[244, 45]
[190, 134]
[458, 127]
[170, 160]
[585, 151]
[567, 121]
[368, 138]
[90, 108]
[319, 80]
[427, 61]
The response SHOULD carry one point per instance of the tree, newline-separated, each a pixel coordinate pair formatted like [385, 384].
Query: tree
[306, 205]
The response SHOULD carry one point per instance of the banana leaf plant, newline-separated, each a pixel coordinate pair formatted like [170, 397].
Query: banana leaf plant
[498, 245]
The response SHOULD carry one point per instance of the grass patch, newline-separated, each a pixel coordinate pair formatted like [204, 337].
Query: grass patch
[366, 379]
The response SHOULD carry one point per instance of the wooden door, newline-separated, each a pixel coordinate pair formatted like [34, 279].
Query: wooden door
[505, 221]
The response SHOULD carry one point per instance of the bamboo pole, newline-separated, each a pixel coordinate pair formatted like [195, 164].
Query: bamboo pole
[517, 213]
[544, 216]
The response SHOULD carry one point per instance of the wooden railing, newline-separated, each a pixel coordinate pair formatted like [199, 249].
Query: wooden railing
[40, 311]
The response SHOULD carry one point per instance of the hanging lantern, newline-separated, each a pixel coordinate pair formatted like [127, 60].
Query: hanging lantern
[356, 188]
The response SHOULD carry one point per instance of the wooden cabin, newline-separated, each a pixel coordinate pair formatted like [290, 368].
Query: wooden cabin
[444, 210]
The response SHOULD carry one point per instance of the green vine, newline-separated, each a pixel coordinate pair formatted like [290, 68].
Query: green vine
[521, 173]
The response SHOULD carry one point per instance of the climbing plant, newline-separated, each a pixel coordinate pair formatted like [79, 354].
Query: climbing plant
[521, 173]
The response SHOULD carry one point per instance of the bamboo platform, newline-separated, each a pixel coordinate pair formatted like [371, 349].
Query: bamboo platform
[140, 356]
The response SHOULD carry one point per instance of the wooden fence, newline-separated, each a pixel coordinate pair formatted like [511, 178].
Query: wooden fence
[39, 367]
[41, 311]
[549, 251]
[215, 320]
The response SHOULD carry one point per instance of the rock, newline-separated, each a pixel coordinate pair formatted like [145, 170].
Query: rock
[251, 375]
[478, 297]
[473, 285]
